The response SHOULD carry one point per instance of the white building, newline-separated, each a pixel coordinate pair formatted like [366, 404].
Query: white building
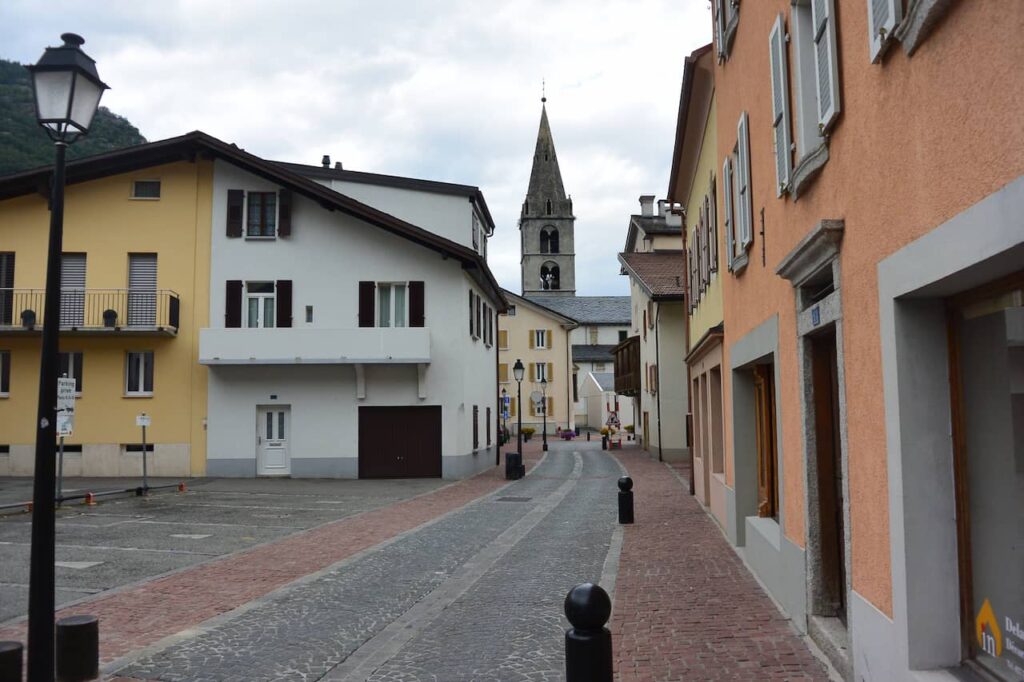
[353, 325]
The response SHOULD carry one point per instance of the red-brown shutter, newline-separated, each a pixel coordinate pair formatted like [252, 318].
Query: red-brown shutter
[366, 296]
[284, 303]
[233, 304]
[416, 304]
[236, 200]
[5, 371]
[284, 213]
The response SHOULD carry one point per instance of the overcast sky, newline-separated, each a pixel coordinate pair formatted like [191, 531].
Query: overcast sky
[437, 89]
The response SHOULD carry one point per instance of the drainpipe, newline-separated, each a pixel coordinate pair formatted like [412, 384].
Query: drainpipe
[689, 378]
[657, 362]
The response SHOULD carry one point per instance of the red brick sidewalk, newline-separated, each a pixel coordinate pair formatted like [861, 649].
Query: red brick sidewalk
[686, 608]
[141, 615]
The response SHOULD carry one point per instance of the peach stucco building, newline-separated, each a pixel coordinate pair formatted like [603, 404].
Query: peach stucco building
[871, 239]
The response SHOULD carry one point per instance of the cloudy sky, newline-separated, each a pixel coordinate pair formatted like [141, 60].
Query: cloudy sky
[440, 89]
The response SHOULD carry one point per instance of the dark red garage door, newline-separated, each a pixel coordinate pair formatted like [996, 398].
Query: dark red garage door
[400, 442]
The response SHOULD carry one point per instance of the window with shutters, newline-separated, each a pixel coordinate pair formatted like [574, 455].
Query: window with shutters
[7, 288]
[146, 189]
[5, 373]
[540, 338]
[816, 97]
[540, 372]
[138, 373]
[883, 17]
[777, 57]
[392, 304]
[142, 278]
[261, 214]
[726, 18]
[744, 202]
[260, 305]
[72, 290]
[728, 212]
[71, 367]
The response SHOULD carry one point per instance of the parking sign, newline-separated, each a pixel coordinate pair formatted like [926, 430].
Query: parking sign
[65, 406]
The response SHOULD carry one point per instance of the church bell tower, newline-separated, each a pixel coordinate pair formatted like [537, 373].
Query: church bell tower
[546, 223]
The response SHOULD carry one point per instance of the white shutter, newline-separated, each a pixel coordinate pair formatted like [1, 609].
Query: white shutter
[727, 203]
[825, 66]
[883, 15]
[780, 105]
[744, 206]
[142, 289]
[720, 27]
[72, 289]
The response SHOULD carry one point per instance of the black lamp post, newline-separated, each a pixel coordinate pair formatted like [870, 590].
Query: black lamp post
[544, 412]
[67, 93]
[517, 371]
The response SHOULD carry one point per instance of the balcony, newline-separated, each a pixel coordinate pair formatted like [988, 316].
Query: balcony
[297, 346]
[152, 312]
[627, 367]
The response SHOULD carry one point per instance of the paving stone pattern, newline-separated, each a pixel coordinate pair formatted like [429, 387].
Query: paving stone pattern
[686, 608]
[513, 613]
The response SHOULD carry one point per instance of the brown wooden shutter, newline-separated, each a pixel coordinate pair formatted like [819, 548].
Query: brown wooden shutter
[284, 303]
[533, 371]
[551, 406]
[233, 304]
[503, 372]
[366, 295]
[236, 202]
[78, 370]
[284, 213]
[533, 338]
[511, 407]
[502, 338]
[5, 371]
[416, 304]
[550, 372]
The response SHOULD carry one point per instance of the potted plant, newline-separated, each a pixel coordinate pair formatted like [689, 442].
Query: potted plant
[631, 430]
[527, 432]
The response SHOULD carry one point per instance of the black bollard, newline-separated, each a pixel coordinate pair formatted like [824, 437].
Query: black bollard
[588, 435]
[625, 500]
[10, 660]
[604, 442]
[78, 648]
[588, 643]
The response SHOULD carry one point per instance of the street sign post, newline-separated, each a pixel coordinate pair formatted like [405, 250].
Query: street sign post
[144, 420]
[65, 425]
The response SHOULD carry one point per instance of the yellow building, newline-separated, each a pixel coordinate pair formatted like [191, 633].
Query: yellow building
[692, 184]
[135, 276]
[539, 337]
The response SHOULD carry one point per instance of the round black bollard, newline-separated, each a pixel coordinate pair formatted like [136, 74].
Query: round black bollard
[10, 660]
[78, 648]
[625, 500]
[588, 435]
[588, 643]
[604, 442]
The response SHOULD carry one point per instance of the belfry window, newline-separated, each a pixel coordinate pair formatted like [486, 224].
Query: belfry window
[549, 276]
[549, 240]
[549, 206]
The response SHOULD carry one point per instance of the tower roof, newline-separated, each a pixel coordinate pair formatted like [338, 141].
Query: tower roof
[545, 178]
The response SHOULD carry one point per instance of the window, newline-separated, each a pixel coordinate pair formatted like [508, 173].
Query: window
[764, 415]
[780, 106]
[575, 388]
[549, 239]
[538, 407]
[599, 367]
[5, 372]
[729, 211]
[71, 367]
[392, 304]
[511, 312]
[727, 13]
[72, 289]
[261, 214]
[549, 200]
[6, 288]
[476, 427]
[139, 373]
[539, 338]
[488, 427]
[260, 304]
[142, 278]
[593, 336]
[540, 372]
[815, 54]
[883, 16]
[309, 314]
[744, 204]
[652, 379]
[476, 232]
[623, 335]
[146, 189]
[549, 276]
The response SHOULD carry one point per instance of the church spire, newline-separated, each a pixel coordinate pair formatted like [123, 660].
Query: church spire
[546, 194]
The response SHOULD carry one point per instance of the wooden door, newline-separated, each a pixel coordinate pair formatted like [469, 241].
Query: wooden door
[767, 468]
[400, 442]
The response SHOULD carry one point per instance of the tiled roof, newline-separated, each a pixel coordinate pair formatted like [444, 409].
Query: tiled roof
[660, 274]
[595, 353]
[606, 380]
[587, 309]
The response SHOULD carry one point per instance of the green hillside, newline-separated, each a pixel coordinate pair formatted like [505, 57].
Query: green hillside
[24, 145]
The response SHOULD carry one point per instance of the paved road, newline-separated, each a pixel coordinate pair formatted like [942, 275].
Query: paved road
[128, 539]
[474, 595]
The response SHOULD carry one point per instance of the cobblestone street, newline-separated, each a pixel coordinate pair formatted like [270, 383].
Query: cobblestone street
[464, 582]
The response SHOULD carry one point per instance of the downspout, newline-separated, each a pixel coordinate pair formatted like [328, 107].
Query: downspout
[497, 394]
[689, 380]
[571, 411]
[657, 362]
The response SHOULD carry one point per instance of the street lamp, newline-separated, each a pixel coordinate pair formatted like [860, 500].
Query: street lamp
[544, 411]
[517, 371]
[67, 92]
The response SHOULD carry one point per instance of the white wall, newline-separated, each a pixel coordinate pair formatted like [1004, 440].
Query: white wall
[325, 257]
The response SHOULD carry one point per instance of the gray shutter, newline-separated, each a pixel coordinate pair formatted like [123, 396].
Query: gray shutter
[729, 212]
[712, 209]
[780, 105]
[142, 289]
[744, 207]
[720, 27]
[6, 288]
[826, 68]
[72, 289]
[883, 16]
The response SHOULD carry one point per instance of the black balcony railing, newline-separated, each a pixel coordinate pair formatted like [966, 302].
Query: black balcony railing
[93, 309]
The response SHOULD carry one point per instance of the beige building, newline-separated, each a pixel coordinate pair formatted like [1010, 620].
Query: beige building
[539, 337]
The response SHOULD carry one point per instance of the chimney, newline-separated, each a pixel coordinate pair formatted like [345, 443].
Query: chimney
[647, 205]
[674, 214]
[661, 207]
[337, 165]
[326, 161]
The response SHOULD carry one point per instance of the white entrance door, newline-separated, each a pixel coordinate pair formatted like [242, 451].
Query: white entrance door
[273, 428]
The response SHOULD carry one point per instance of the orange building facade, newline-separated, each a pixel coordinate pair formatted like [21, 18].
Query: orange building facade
[871, 227]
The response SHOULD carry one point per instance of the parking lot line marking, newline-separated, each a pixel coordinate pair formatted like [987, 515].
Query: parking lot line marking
[221, 525]
[191, 536]
[111, 548]
[63, 588]
[77, 565]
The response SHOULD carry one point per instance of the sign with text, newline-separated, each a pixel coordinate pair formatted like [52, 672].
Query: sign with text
[143, 419]
[65, 406]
